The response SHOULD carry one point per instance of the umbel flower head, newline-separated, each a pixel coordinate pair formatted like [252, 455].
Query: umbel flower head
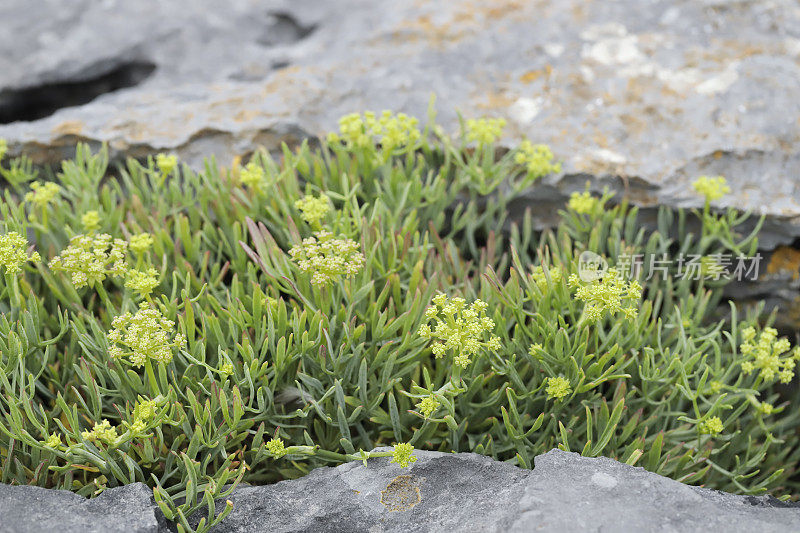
[606, 295]
[459, 328]
[42, 193]
[583, 203]
[143, 414]
[485, 130]
[90, 221]
[103, 432]
[142, 282]
[428, 406]
[144, 336]
[537, 159]
[712, 187]
[540, 277]
[390, 130]
[711, 426]
[327, 259]
[252, 175]
[768, 355]
[3, 148]
[276, 447]
[403, 455]
[166, 163]
[141, 243]
[90, 258]
[13, 252]
[558, 388]
[313, 209]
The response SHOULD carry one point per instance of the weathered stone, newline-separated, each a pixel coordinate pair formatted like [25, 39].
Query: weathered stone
[440, 492]
[466, 492]
[650, 94]
[128, 509]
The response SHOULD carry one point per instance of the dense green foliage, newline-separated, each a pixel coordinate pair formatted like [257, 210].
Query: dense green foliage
[191, 330]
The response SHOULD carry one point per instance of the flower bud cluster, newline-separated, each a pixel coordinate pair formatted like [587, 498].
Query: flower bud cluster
[13, 252]
[403, 455]
[327, 259]
[537, 159]
[103, 432]
[42, 193]
[313, 209]
[768, 355]
[485, 130]
[146, 335]
[459, 328]
[712, 187]
[90, 258]
[606, 295]
[390, 130]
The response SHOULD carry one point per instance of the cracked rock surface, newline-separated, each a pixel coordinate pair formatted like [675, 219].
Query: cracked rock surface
[648, 94]
[439, 493]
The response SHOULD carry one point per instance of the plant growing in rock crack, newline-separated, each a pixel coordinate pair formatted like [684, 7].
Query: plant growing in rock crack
[197, 330]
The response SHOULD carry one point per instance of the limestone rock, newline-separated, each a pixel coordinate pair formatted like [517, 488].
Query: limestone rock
[128, 509]
[646, 95]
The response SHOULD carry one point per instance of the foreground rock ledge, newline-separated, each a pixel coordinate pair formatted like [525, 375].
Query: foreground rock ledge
[440, 492]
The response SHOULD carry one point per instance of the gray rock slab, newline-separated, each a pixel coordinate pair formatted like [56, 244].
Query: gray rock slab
[466, 492]
[128, 509]
[440, 492]
[651, 93]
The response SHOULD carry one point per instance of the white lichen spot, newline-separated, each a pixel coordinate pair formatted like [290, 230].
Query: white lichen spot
[721, 82]
[525, 110]
[603, 480]
[554, 49]
[608, 156]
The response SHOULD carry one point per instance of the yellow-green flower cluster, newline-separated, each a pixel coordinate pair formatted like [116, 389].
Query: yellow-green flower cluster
[144, 336]
[252, 175]
[539, 276]
[485, 130]
[276, 447]
[403, 454]
[711, 426]
[710, 268]
[142, 282]
[313, 209]
[226, 369]
[103, 432]
[583, 203]
[42, 193]
[459, 328]
[90, 221]
[13, 252]
[390, 130]
[143, 414]
[428, 406]
[606, 295]
[558, 388]
[3, 148]
[53, 441]
[537, 159]
[141, 243]
[765, 408]
[768, 355]
[166, 163]
[90, 258]
[712, 187]
[327, 259]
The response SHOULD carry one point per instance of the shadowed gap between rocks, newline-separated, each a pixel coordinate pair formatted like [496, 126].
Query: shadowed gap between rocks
[34, 103]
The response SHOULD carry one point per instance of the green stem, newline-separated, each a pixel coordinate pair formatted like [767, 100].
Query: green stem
[151, 377]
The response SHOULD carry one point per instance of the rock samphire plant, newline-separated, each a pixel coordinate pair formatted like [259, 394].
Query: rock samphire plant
[197, 330]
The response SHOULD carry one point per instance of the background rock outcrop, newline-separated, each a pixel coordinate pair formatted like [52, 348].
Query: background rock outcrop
[647, 94]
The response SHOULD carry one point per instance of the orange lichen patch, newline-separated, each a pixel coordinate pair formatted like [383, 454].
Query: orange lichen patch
[401, 494]
[533, 75]
[785, 260]
[69, 127]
